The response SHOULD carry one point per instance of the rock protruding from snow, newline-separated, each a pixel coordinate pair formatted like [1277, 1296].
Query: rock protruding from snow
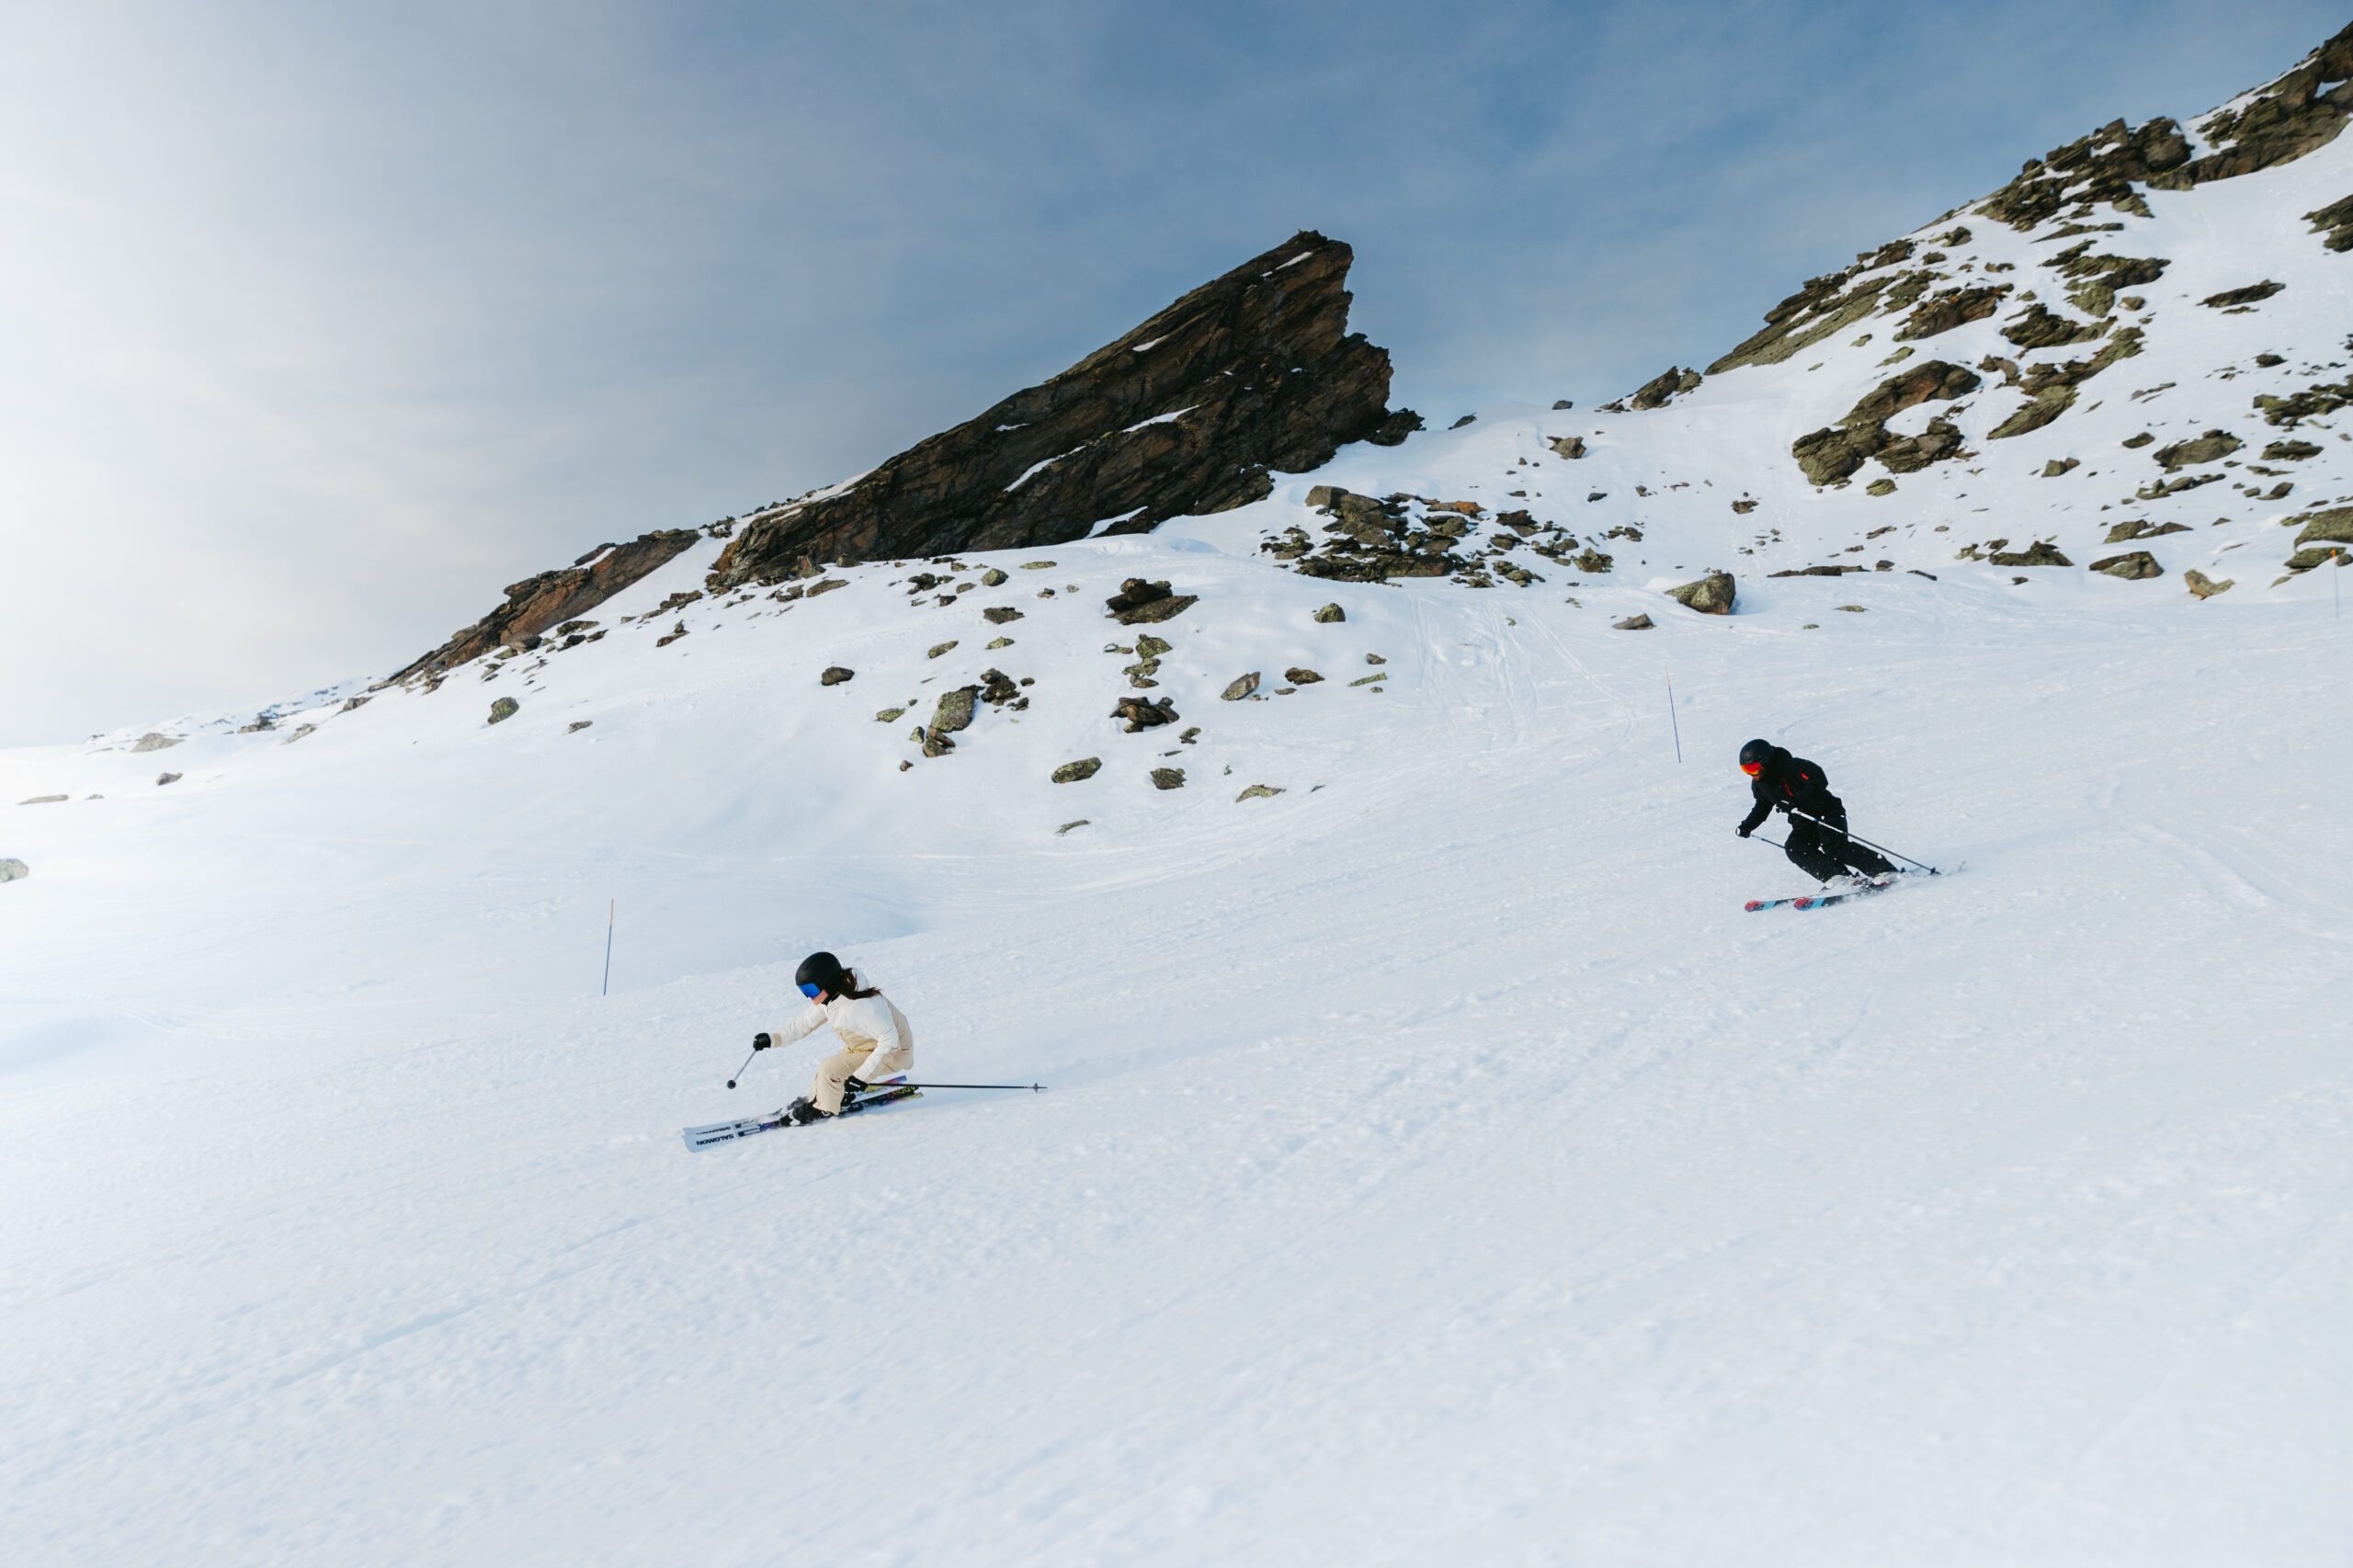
[1254, 371]
[537, 603]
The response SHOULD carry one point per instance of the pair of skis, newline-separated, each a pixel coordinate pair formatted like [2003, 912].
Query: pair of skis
[884, 1092]
[1845, 895]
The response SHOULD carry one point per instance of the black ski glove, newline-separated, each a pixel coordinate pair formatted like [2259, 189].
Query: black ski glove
[1743, 830]
[761, 1041]
[856, 1086]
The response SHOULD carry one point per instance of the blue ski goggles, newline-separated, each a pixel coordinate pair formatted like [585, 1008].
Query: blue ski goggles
[810, 989]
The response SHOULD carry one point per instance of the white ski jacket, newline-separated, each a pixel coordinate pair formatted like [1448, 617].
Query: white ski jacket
[874, 1025]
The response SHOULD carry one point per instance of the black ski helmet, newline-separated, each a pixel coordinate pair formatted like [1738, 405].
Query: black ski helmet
[1756, 754]
[824, 972]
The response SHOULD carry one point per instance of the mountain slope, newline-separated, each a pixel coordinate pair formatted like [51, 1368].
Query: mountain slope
[1436, 1162]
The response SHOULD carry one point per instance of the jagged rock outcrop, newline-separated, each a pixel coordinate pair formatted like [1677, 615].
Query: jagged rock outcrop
[537, 603]
[1252, 372]
[2287, 119]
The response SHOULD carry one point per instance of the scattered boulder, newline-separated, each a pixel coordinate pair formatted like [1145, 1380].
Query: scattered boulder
[1142, 715]
[1333, 613]
[2042, 553]
[1258, 792]
[1854, 609]
[1168, 779]
[1240, 687]
[1744, 507]
[1073, 772]
[353, 704]
[1880, 487]
[2139, 529]
[2213, 446]
[2246, 296]
[2142, 439]
[578, 725]
[890, 715]
[938, 648]
[1572, 446]
[1139, 602]
[163, 778]
[2202, 586]
[1631, 623]
[1037, 566]
[2334, 526]
[43, 800]
[1711, 594]
[1298, 676]
[996, 642]
[2058, 466]
[503, 709]
[154, 741]
[953, 712]
[2289, 451]
[992, 577]
[997, 689]
[1000, 615]
[14, 871]
[834, 674]
[2140, 564]
[1082, 822]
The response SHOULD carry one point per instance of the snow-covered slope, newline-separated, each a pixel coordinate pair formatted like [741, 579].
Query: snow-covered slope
[1436, 1164]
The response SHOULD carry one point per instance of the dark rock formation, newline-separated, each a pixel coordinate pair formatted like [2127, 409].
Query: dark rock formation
[2051, 388]
[2038, 327]
[1168, 779]
[1330, 614]
[2335, 221]
[1259, 792]
[1240, 687]
[2095, 278]
[154, 741]
[953, 712]
[537, 603]
[2098, 167]
[1655, 394]
[2278, 451]
[2313, 400]
[2202, 586]
[2289, 118]
[504, 710]
[835, 674]
[1934, 380]
[1300, 675]
[1950, 308]
[1188, 414]
[1073, 772]
[1631, 623]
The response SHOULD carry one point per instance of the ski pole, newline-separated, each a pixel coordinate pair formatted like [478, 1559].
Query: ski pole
[1857, 837]
[739, 1072]
[1036, 1087]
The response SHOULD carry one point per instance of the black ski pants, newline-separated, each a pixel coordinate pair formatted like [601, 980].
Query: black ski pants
[1822, 850]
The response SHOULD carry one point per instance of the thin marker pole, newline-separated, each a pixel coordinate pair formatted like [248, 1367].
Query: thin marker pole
[609, 910]
[1671, 718]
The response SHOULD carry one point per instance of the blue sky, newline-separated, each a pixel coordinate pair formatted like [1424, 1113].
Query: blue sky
[325, 321]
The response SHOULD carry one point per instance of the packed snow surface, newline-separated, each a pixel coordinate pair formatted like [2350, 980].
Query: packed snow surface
[1436, 1163]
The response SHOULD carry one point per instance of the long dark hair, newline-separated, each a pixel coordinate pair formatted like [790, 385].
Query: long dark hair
[854, 994]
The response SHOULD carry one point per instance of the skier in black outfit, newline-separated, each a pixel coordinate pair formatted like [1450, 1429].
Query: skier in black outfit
[1782, 782]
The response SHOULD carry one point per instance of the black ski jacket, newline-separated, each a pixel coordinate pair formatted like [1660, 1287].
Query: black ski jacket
[1791, 781]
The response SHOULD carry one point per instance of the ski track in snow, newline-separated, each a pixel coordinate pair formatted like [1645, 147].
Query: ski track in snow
[1438, 1165]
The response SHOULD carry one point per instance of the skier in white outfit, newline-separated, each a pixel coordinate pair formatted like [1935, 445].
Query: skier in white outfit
[876, 1041]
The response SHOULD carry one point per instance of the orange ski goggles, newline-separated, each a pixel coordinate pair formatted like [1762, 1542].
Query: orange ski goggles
[1751, 769]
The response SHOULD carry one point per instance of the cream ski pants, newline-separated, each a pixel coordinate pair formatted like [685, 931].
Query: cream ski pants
[826, 1092]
